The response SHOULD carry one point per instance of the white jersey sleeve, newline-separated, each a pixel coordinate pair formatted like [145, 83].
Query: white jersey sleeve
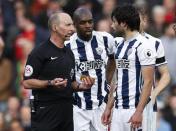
[146, 54]
[160, 54]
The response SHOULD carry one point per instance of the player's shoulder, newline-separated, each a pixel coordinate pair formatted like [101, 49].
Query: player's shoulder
[142, 39]
[145, 46]
[118, 39]
[152, 38]
[143, 42]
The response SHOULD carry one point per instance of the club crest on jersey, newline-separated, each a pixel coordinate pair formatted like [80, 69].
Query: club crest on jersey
[99, 50]
[28, 71]
[148, 53]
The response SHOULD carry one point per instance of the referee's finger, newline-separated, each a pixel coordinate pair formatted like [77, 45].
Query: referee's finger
[61, 82]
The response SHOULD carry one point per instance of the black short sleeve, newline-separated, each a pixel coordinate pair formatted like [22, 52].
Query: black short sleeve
[33, 65]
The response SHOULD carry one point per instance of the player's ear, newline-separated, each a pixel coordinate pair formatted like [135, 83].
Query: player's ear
[124, 25]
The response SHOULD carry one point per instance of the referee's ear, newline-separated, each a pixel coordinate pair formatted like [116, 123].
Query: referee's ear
[54, 27]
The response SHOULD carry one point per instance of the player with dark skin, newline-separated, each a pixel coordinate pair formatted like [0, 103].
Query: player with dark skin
[91, 40]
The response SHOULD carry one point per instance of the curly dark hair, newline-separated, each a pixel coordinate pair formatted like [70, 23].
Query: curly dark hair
[128, 14]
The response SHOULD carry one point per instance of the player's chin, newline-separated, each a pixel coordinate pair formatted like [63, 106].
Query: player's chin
[88, 32]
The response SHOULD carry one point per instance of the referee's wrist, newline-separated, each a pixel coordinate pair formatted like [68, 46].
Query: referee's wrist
[49, 83]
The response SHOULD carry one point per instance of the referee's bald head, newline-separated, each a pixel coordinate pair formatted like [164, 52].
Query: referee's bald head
[56, 17]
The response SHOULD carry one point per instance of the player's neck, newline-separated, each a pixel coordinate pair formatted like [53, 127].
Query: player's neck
[57, 41]
[142, 31]
[130, 34]
[84, 38]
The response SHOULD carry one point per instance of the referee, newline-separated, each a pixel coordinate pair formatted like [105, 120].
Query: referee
[49, 72]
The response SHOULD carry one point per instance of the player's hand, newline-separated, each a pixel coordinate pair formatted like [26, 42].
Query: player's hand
[86, 83]
[136, 120]
[59, 82]
[106, 117]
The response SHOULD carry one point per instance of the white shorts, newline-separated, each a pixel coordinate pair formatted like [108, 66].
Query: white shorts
[149, 119]
[88, 120]
[120, 120]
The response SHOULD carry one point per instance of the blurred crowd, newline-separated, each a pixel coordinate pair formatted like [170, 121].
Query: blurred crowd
[23, 25]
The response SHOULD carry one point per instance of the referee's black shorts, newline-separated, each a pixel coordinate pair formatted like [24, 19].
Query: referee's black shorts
[52, 117]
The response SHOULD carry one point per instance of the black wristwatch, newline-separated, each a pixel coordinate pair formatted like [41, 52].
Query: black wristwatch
[49, 83]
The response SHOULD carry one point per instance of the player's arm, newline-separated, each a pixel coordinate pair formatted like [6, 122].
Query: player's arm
[111, 65]
[163, 81]
[86, 83]
[110, 69]
[162, 67]
[147, 57]
[111, 99]
[165, 78]
[148, 75]
[106, 116]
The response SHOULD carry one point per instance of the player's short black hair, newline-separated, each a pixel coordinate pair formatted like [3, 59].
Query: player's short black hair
[128, 14]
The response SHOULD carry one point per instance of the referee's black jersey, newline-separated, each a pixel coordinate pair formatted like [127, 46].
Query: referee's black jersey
[47, 62]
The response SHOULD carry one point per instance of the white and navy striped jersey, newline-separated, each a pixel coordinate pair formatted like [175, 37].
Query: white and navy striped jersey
[160, 58]
[157, 44]
[91, 58]
[130, 56]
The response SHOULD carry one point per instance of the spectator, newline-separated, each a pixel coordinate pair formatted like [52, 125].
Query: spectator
[5, 76]
[170, 10]
[25, 118]
[104, 25]
[42, 18]
[158, 20]
[169, 112]
[15, 125]
[13, 107]
[2, 122]
[162, 124]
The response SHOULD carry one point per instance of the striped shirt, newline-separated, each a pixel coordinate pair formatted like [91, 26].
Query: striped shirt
[160, 58]
[157, 44]
[130, 56]
[91, 59]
